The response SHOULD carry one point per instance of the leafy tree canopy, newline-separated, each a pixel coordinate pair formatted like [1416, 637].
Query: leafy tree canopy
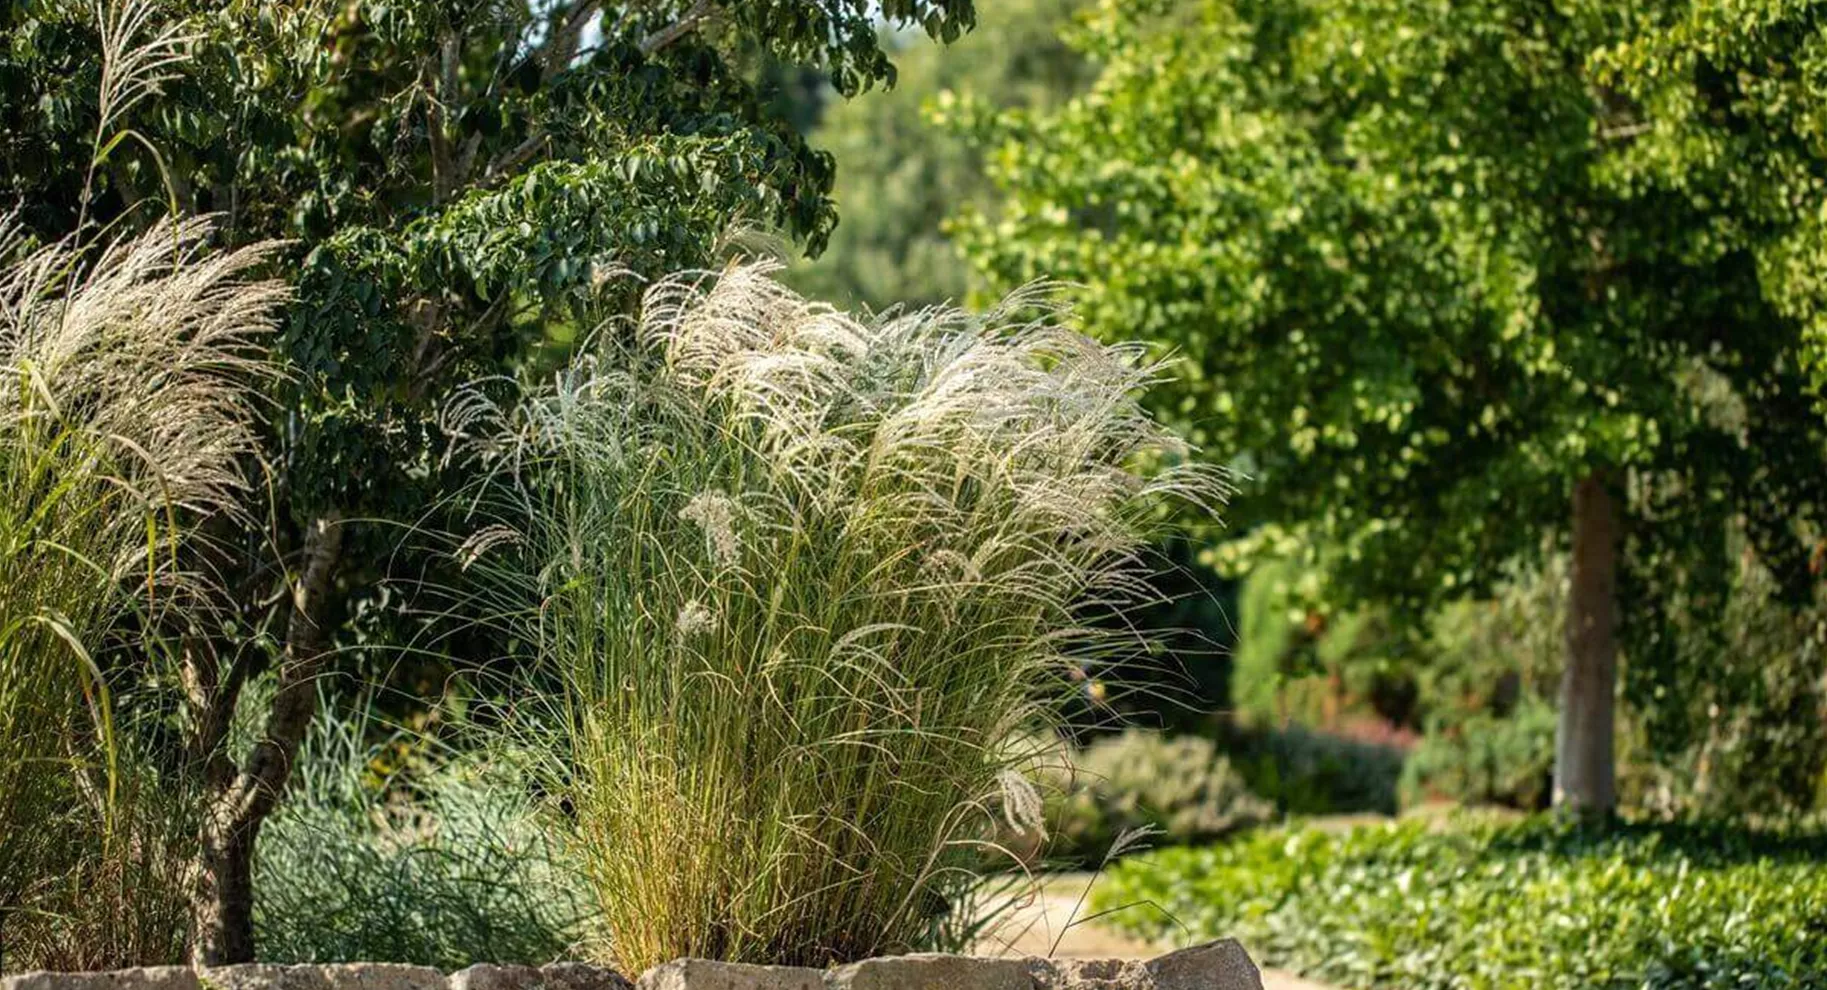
[1422, 277]
[1728, 113]
[454, 173]
[899, 175]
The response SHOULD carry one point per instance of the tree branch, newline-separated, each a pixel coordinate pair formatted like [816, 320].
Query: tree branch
[306, 652]
[466, 159]
[562, 46]
[679, 28]
[513, 159]
[699, 12]
[444, 95]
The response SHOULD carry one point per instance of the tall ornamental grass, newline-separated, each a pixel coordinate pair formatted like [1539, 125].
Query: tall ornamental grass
[125, 408]
[802, 577]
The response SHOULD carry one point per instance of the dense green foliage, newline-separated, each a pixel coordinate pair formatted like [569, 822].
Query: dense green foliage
[454, 175]
[1529, 904]
[1179, 788]
[1726, 104]
[1739, 730]
[900, 175]
[1415, 310]
[1305, 771]
[777, 586]
[1485, 758]
[455, 183]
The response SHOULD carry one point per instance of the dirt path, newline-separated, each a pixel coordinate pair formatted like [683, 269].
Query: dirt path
[1040, 928]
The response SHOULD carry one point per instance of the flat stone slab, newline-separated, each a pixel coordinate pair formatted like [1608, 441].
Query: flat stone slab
[578, 976]
[382, 976]
[1220, 965]
[552, 976]
[262, 976]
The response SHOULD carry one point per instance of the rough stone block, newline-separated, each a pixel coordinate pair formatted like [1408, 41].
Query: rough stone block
[144, 978]
[932, 972]
[1090, 974]
[705, 974]
[488, 976]
[1220, 965]
[381, 976]
[579, 976]
[263, 976]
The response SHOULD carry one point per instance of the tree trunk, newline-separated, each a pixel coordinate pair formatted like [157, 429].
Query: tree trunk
[1584, 772]
[222, 910]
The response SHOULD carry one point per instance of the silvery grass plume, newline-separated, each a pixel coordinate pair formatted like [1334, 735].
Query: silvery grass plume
[803, 575]
[127, 383]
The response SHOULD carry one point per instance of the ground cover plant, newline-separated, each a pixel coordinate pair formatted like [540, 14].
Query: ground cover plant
[800, 577]
[1526, 904]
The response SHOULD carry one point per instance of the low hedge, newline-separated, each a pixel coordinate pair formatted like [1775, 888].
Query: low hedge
[1485, 759]
[1528, 904]
[1180, 788]
[1309, 772]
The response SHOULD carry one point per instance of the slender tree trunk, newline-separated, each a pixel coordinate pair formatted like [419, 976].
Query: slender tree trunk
[1584, 772]
[239, 801]
[223, 909]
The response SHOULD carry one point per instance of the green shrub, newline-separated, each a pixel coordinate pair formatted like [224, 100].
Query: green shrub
[1525, 905]
[1306, 772]
[1728, 691]
[439, 863]
[1485, 759]
[802, 577]
[1180, 787]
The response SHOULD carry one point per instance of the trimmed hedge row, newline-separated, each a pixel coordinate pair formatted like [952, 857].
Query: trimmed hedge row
[1528, 904]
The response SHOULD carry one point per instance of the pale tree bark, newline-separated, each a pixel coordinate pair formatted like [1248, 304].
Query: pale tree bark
[240, 798]
[1584, 766]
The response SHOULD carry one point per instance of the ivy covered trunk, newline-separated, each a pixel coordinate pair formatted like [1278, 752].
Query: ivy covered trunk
[1584, 772]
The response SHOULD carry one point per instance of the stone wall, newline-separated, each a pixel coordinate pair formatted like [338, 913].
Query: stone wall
[1220, 965]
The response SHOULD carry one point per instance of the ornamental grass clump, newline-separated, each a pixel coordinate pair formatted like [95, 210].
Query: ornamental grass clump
[126, 387]
[803, 576]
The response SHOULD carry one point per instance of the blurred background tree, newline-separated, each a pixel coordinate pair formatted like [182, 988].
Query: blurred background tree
[1424, 312]
[903, 175]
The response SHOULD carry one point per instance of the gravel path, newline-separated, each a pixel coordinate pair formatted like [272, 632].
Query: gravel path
[1039, 928]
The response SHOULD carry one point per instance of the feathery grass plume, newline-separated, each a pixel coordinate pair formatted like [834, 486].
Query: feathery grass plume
[127, 378]
[803, 576]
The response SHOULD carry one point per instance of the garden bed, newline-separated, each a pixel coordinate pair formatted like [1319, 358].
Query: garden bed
[1522, 904]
